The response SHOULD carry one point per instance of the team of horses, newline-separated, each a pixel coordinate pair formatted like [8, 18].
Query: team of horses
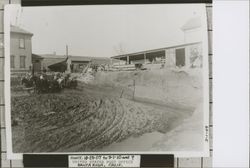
[48, 83]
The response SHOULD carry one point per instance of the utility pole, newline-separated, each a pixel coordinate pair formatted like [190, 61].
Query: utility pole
[67, 58]
[67, 51]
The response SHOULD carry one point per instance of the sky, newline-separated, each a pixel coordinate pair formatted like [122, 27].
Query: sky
[105, 30]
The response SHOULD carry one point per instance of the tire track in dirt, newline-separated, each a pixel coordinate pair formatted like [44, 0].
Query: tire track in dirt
[66, 144]
[108, 130]
[115, 128]
[88, 122]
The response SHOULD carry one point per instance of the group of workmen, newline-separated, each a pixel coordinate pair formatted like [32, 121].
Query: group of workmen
[48, 83]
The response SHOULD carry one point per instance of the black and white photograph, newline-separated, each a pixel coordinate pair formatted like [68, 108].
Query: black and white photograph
[107, 79]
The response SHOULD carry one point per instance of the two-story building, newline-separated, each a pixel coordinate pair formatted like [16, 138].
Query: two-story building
[20, 50]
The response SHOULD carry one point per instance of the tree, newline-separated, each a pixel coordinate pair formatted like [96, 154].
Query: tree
[120, 49]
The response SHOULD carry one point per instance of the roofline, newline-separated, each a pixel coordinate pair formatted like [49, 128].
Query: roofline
[88, 58]
[153, 50]
[62, 55]
[30, 34]
[64, 61]
[38, 56]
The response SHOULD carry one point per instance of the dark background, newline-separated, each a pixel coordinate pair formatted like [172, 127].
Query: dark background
[104, 2]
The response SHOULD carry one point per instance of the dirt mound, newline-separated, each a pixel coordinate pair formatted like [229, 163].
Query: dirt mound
[170, 87]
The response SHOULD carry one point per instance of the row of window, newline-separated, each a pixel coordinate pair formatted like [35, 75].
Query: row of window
[22, 61]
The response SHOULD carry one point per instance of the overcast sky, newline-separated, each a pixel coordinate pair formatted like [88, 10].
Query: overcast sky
[104, 30]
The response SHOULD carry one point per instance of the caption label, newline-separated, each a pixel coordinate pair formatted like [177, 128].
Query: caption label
[90, 161]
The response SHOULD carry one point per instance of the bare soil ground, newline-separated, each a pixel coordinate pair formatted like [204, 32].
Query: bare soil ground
[114, 111]
[84, 120]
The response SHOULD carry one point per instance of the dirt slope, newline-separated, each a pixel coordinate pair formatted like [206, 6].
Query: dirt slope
[182, 88]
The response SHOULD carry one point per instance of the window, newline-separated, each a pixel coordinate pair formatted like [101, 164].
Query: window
[12, 61]
[21, 43]
[22, 61]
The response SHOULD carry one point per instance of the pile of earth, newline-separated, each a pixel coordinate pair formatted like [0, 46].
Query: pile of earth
[176, 88]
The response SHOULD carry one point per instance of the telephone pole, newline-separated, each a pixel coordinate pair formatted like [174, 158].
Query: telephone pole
[68, 62]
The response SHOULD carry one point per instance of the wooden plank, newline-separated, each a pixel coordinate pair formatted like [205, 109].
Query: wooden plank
[210, 90]
[189, 162]
[210, 42]
[211, 153]
[210, 66]
[210, 114]
[15, 1]
[1, 45]
[210, 137]
[4, 162]
[1, 21]
[207, 162]
[1, 68]
[3, 140]
[2, 115]
[1, 92]
[209, 18]
[17, 163]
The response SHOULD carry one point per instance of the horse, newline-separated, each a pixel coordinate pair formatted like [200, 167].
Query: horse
[54, 86]
[71, 83]
[27, 82]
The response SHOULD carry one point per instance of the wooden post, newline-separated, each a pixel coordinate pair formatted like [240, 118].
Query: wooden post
[67, 50]
[145, 59]
[121, 93]
[68, 61]
[134, 89]
[127, 59]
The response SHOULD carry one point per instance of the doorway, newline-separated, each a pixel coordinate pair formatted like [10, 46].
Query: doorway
[180, 57]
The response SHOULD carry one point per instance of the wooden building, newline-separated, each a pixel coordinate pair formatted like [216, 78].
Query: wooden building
[185, 55]
[73, 64]
[20, 50]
